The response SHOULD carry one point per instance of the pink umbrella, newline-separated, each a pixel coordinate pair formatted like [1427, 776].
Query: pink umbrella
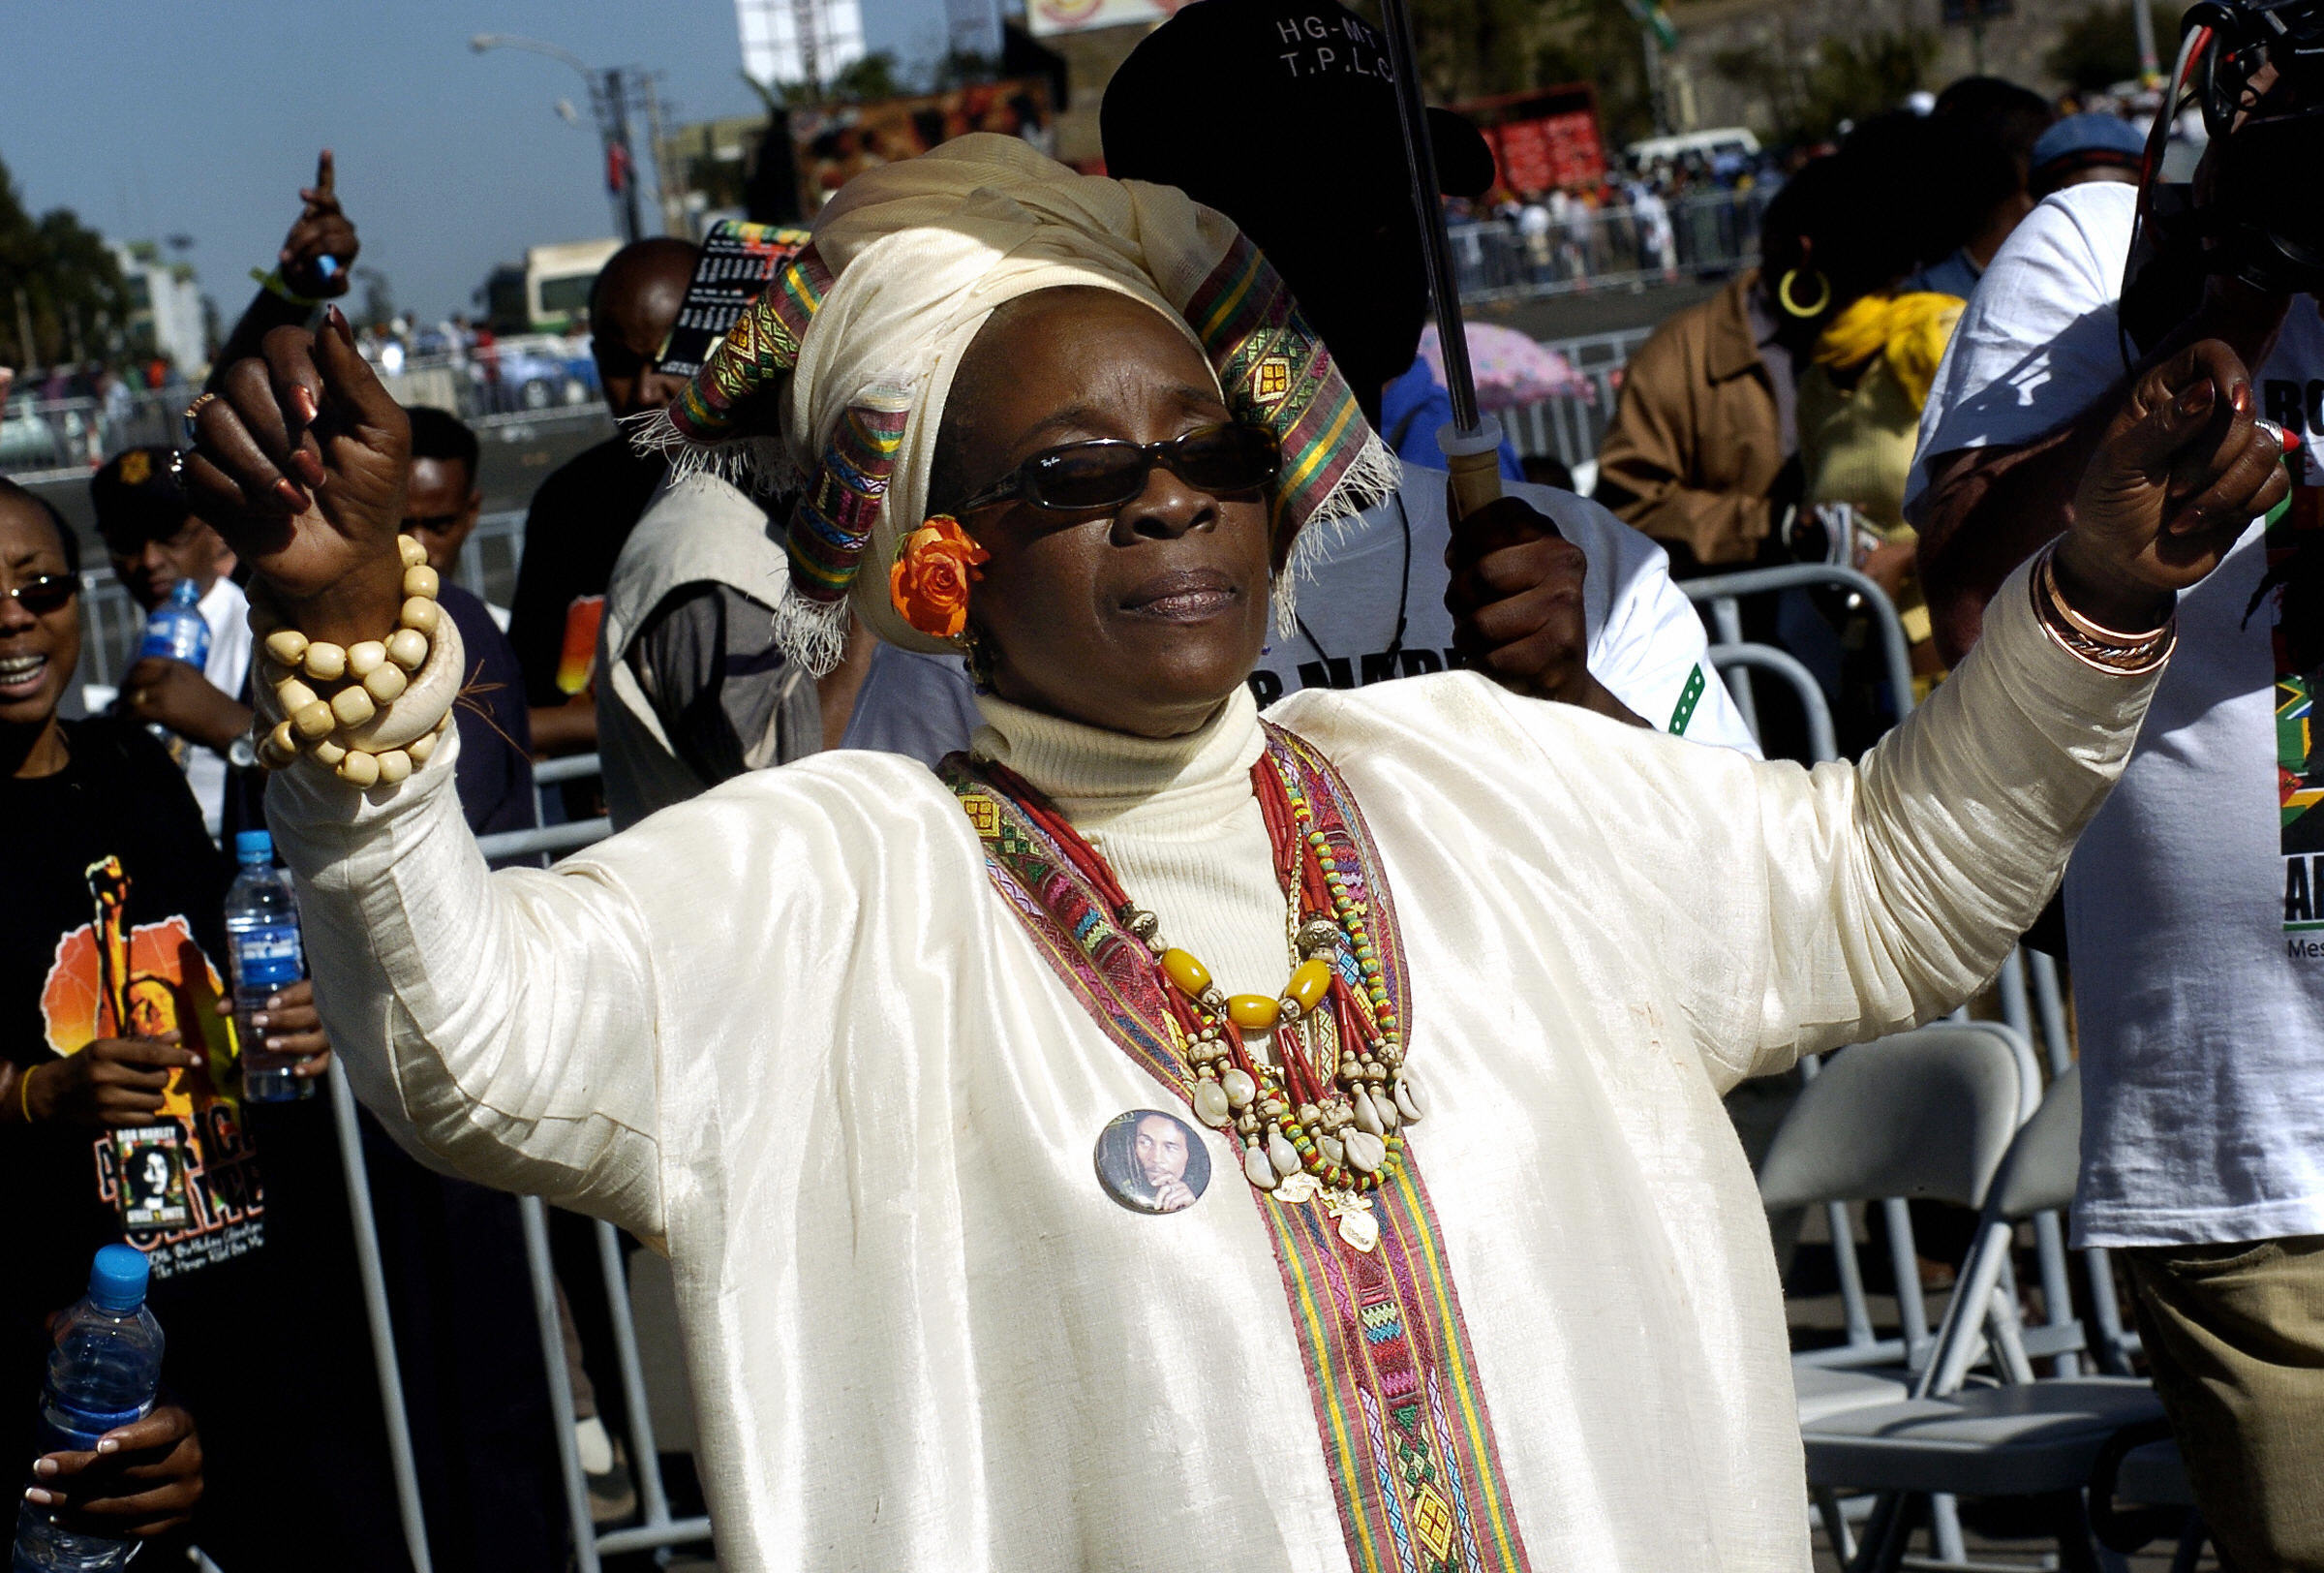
[1511, 368]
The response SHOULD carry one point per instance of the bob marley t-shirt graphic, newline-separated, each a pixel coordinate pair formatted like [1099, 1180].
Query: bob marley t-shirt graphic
[184, 1185]
[113, 928]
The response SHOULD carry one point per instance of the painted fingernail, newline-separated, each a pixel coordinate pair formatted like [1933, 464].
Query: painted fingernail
[258, 1019]
[289, 492]
[276, 1043]
[39, 1498]
[307, 409]
[107, 1444]
[274, 1001]
[44, 1468]
[2240, 398]
[2196, 399]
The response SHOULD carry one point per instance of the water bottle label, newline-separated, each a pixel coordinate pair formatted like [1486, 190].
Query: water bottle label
[267, 954]
[65, 1429]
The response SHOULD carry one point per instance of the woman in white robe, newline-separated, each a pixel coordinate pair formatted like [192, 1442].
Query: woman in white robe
[820, 1036]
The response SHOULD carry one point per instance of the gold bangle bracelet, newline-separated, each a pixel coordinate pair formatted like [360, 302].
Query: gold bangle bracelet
[2101, 648]
[24, 1092]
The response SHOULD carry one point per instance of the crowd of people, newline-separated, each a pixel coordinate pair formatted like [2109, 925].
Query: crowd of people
[1043, 624]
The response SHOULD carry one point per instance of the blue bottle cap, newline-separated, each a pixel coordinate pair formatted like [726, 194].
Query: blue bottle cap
[252, 846]
[117, 1278]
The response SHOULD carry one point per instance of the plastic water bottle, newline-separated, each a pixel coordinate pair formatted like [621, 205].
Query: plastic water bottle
[175, 629]
[261, 943]
[102, 1374]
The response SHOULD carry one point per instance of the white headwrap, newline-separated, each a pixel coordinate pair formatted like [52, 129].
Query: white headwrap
[866, 330]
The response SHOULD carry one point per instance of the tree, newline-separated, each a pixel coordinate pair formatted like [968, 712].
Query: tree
[70, 285]
[1849, 79]
[1598, 41]
[1469, 48]
[2101, 46]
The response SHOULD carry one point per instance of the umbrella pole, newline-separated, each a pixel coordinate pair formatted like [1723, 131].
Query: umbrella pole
[1471, 441]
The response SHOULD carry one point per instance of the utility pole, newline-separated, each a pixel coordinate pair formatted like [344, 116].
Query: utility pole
[608, 95]
[807, 18]
[2150, 63]
[620, 158]
[669, 171]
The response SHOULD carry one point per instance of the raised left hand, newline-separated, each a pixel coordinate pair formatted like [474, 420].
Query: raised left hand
[178, 696]
[144, 1479]
[2182, 470]
[1516, 598]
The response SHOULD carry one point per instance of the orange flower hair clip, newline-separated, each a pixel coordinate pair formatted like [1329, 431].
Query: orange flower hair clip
[929, 583]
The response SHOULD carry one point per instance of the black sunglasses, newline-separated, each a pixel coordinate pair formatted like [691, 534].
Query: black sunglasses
[1104, 474]
[44, 592]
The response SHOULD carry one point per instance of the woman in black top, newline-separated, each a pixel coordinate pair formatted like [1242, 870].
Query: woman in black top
[121, 1120]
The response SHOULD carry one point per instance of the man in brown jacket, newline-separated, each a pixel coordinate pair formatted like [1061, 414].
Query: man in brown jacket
[1703, 430]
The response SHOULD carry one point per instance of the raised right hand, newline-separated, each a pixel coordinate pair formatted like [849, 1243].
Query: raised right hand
[301, 463]
[114, 1081]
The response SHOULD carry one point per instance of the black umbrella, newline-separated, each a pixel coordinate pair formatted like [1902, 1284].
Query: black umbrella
[1472, 442]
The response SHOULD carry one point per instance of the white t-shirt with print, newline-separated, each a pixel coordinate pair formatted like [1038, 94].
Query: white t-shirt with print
[1645, 642]
[2200, 996]
[227, 611]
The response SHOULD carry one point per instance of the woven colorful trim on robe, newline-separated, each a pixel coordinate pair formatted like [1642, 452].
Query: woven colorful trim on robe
[1274, 370]
[1406, 1437]
[831, 524]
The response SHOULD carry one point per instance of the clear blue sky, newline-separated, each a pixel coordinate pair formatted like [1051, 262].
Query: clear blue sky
[151, 119]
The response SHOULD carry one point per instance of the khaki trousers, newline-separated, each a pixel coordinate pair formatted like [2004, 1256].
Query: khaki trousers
[2236, 1336]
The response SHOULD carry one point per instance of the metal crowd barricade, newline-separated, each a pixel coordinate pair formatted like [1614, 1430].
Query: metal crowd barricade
[1707, 233]
[657, 1530]
[1568, 427]
[1723, 592]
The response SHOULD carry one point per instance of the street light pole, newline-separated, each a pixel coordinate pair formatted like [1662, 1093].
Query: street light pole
[608, 97]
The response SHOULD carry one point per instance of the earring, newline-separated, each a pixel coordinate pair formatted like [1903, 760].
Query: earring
[1783, 295]
[979, 656]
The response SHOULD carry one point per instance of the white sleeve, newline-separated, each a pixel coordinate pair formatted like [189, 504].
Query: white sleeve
[920, 706]
[1649, 646]
[502, 1026]
[1802, 909]
[2039, 339]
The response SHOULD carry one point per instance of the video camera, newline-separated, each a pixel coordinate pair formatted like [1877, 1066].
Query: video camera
[2263, 223]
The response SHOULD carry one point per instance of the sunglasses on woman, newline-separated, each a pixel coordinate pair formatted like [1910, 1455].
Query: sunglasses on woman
[44, 592]
[1108, 473]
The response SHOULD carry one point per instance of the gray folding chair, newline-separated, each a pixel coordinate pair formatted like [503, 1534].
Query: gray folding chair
[1927, 1113]
[2025, 1438]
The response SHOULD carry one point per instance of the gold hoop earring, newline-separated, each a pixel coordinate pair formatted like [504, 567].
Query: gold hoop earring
[1783, 295]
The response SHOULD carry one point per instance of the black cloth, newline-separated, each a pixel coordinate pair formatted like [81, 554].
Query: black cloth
[256, 1288]
[495, 772]
[476, 1391]
[574, 533]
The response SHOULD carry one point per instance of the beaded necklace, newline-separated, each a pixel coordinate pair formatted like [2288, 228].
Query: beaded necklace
[1325, 1114]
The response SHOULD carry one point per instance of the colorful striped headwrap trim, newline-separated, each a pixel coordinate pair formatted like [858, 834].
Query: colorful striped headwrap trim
[1274, 370]
[704, 428]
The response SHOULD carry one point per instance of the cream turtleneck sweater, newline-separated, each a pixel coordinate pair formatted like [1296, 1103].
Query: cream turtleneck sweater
[791, 1029]
[1177, 820]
